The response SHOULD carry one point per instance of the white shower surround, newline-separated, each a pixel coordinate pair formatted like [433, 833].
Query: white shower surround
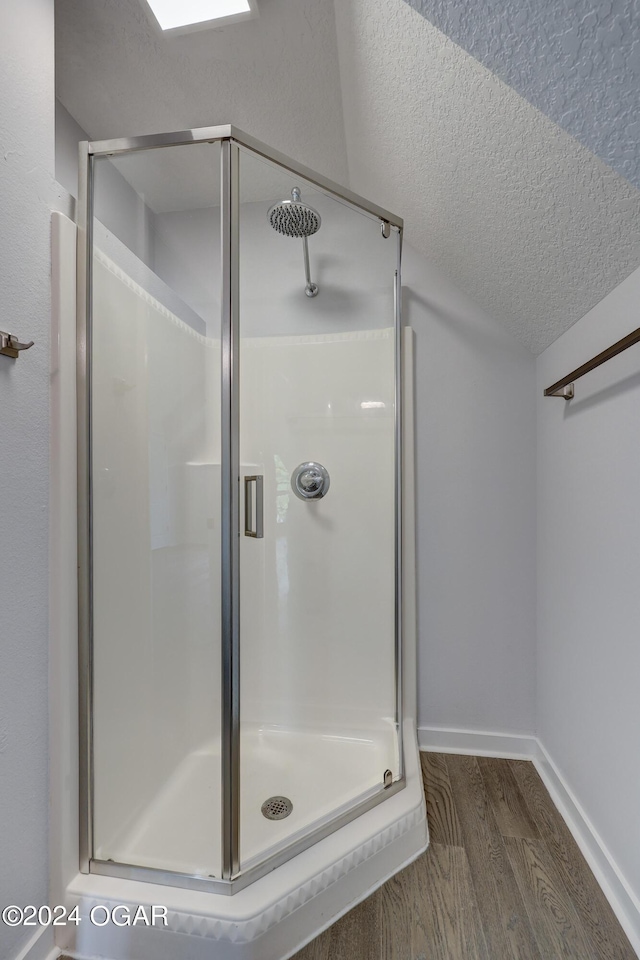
[274, 916]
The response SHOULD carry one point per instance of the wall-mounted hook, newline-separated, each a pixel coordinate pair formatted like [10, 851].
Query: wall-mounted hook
[10, 346]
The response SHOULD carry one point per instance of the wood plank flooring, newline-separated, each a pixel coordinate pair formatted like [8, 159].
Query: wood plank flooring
[503, 879]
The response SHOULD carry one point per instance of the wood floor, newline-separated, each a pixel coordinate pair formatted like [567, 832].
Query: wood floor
[502, 879]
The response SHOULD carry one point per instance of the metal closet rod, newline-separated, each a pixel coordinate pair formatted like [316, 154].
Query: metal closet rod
[564, 387]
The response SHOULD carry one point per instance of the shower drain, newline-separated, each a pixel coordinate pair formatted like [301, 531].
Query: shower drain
[276, 808]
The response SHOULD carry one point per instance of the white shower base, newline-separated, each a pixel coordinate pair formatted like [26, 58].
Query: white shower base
[321, 774]
[275, 916]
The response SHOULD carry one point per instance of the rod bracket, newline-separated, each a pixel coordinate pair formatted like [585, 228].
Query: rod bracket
[10, 346]
[567, 393]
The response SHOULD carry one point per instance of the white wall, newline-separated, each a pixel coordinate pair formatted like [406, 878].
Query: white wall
[589, 574]
[26, 173]
[68, 136]
[117, 205]
[475, 492]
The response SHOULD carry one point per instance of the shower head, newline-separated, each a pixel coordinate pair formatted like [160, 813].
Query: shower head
[293, 218]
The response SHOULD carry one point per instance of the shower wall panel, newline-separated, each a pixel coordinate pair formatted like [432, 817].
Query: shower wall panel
[156, 388]
[316, 652]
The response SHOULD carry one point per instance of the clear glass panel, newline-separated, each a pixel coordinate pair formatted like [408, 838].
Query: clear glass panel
[156, 509]
[318, 692]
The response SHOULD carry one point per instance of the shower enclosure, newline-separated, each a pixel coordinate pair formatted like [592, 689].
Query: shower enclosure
[239, 344]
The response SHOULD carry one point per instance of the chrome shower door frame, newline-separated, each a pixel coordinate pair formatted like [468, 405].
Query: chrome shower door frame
[232, 142]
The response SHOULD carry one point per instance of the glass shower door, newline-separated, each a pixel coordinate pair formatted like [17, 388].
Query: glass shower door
[318, 705]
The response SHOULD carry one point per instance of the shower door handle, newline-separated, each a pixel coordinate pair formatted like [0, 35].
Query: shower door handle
[258, 533]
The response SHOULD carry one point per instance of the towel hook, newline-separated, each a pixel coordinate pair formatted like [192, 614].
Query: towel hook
[10, 346]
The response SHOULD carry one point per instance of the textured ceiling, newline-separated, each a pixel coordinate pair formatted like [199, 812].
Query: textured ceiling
[578, 63]
[522, 217]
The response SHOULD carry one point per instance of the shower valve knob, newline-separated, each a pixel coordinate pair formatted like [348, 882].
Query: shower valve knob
[310, 481]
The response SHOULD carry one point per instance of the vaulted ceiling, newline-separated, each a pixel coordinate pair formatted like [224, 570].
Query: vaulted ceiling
[578, 63]
[526, 220]
[522, 214]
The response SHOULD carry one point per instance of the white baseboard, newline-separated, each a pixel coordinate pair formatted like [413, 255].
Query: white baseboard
[41, 946]
[477, 743]
[624, 903]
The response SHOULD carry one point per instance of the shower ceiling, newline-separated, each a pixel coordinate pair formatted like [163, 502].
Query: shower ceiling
[529, 223]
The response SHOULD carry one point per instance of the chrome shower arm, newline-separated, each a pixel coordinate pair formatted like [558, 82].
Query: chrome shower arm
[311, 289]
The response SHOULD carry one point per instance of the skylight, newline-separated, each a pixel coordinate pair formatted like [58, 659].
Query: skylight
[191, 14]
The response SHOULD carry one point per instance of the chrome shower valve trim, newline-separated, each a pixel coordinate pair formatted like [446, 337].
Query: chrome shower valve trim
[310, 481]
